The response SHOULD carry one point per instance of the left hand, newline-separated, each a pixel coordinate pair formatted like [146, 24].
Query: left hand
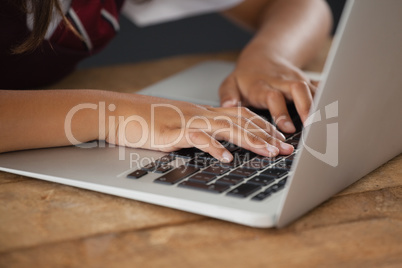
[267, 83]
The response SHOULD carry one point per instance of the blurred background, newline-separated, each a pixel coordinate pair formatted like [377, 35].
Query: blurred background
[200, 34]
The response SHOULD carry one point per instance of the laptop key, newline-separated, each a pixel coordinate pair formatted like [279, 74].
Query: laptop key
[273, 173]
[230, 180]
[269, 160]
[297, 136]
[274, 188]
[282, 182]
[206, 156]
[216, 170]
[243, 172]
[270, 190]
[243, 155]
[263, 195]
[292, 142]
[201, 163]
[137, 174]
[212, 188]
[202, 177]
[278, 186]
[150, 167]
[256, 164]
[263, 181]
[244, 190]
[282, 165]
[177, 175]
[290, 158]
[232, 164]
[187, 152]
[166, 159]
[163, 168]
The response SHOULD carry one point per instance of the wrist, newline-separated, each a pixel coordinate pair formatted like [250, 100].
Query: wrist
[262, 59]
[92, 116]
[128, 121]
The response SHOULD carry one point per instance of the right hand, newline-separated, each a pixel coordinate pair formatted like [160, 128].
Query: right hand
[167, 125]
[264, 83]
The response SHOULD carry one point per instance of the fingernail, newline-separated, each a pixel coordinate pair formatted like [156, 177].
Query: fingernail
[273, 150]
[286, 146]
[226, 157]
[280, 135]
[229, 103]
[289, 126]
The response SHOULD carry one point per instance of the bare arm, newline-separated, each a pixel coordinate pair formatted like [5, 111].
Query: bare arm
[288, 29]
[289, 33]
[37, 119]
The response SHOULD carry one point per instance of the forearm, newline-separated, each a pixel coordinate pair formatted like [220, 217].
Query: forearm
[288, 30]
[48, 118]
[38, 119]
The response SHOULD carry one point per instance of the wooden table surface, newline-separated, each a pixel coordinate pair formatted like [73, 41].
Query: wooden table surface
[45, 224]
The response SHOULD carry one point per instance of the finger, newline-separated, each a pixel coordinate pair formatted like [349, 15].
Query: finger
[263, 96]
[302, 98]
[301, 93]
[229, 93]
[239, 130]
[256, 91]
[285, 86]
[223, 128]
[314, 82]
[251, 127]
[253, 117]
[313, 87]
[277, 106]
[203, 141]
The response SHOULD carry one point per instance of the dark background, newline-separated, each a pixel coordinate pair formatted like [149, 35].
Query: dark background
[200, 34]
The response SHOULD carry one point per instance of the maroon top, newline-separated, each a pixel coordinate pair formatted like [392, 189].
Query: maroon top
[96, 20]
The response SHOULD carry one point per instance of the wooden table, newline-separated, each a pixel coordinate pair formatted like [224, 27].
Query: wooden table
[45, 224]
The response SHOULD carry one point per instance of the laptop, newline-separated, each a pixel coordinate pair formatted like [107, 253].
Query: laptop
[354, 126]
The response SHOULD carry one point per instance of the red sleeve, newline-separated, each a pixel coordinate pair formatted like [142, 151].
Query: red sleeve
[47, 64]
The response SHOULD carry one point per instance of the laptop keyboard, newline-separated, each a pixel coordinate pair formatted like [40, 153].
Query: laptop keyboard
[248, 175]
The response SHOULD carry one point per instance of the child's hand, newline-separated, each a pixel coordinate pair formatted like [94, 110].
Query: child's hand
[263, 83]
[166, 125]
[288, 35]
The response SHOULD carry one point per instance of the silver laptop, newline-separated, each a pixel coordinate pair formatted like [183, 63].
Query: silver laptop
[354, 126]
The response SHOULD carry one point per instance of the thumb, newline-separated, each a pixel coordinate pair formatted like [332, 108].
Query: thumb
[229, 93]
